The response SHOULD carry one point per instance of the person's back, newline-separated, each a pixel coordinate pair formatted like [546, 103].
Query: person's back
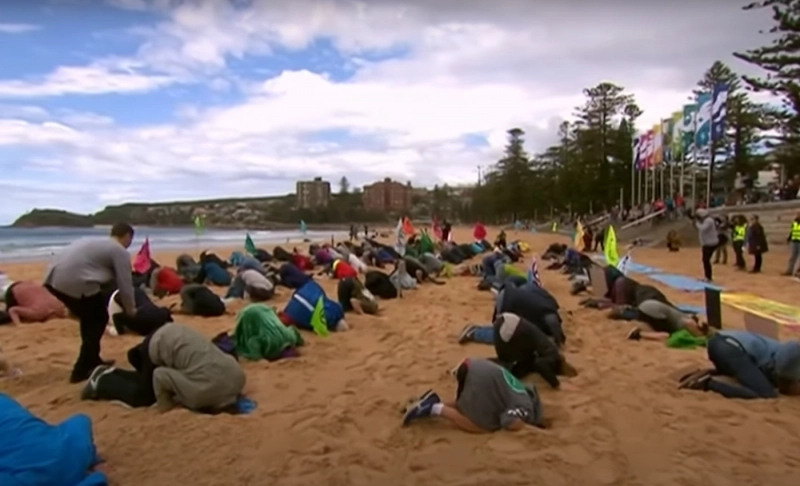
[199, 300]
[90, 265]
[254, 278]
[207, 376]
[492, 398]
[33, 303]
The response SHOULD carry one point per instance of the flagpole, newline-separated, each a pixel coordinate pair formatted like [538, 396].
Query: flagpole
[633, 178]
[694, 159]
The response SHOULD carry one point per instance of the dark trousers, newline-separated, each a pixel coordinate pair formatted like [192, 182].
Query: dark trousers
[737, 250]
[92, 315]
[757, 261]
[708, 252]
[730, 360]
[127, 386]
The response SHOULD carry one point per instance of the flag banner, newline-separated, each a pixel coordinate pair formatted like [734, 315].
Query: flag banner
[657, 146]
[719, 112]
[677, 136]
[689, 126]
[666, 139]
[703, 120]
[610, 247]
[637, 156]
[199, 225]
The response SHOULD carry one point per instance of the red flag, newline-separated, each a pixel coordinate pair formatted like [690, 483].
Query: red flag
[479, 233]
[437, 228]
[141, 264]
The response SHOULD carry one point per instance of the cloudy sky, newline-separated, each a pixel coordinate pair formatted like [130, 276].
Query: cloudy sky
[148, 100]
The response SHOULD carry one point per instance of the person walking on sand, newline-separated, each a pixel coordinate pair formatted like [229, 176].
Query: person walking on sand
[81, 276]
[794, 241]
[756, 243]
[709, 239]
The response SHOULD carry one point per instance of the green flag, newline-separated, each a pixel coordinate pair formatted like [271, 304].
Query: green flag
[199, 225]
[318, 321]
[249, 246]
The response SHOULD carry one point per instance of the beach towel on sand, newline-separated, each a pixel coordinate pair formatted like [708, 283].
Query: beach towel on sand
[260, 334]
[35, 453]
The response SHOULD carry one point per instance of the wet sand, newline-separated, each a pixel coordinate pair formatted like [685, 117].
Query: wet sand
[331, 417]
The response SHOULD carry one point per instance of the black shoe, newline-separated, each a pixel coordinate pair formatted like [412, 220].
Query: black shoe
[80, 374]
[635, 334]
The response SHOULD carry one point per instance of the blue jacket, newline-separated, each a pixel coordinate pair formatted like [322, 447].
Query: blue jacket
[301, 306]
[774, 358]
[33, 452]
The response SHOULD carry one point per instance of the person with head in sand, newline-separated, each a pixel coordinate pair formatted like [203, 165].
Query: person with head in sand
[354, 297]
[78, 277]
[762, 366]
[521, 347]
[187, 369]
[253, 284]
[199, 300]
[535, 305]
[31, 302]
[489, 398]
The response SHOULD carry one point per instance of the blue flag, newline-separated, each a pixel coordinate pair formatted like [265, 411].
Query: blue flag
[703, 137]
[719, 112]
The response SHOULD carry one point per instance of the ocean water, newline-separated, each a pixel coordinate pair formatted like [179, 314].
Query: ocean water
[20, 244]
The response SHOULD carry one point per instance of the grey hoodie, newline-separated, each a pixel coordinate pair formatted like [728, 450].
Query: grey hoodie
[707, 231]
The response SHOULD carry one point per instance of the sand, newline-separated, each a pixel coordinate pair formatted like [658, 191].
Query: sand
[332, 416]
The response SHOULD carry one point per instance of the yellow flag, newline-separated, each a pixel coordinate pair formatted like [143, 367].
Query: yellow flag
[577, 242]
[555, 227]
[612, 257]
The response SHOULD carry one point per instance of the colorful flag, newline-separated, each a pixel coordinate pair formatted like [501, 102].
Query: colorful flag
[647, 150]
[249, 246]
[141, 264]
[704, 109]
[637, 155]
[689, 128]
[479, 231]
[533, 271]
[610, 247]
[318, 321]
[719, 112]
[677, 136]
[199, 225]
[657, 145]
[303, 228]
[577, 240]
[666, 139]
[408, 228]
[437, 229]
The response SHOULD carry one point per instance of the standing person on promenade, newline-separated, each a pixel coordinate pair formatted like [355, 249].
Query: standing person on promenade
[709, 239]
[81, 277]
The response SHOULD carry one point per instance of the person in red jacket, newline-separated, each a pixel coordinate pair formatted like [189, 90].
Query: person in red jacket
[165, 281]
[340, 269]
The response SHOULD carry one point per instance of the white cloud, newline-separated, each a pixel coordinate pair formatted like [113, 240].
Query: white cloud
[6, 28]
[469, 68]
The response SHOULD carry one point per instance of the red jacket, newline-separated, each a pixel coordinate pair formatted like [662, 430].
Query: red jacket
[342, 270]
[169, 281]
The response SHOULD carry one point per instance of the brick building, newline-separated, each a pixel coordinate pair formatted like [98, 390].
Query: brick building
[388, 195]
[313, 194]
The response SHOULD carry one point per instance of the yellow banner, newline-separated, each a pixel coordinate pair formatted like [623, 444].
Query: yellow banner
[783, 314]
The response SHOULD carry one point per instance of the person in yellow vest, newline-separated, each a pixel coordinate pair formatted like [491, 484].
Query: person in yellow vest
[794, 240]
[739, 235]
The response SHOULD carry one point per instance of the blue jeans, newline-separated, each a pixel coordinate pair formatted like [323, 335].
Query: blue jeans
[483, 335]
[730, 360]
[795, 255]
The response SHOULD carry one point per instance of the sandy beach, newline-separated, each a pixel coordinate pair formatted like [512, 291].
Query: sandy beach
[332, 416]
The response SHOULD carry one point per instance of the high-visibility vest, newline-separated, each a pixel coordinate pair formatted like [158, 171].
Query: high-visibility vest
[795, 231]
[739, 232]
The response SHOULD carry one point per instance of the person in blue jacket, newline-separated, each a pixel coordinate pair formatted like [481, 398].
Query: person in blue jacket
[762, 366]
[300, 308]
[35, 453]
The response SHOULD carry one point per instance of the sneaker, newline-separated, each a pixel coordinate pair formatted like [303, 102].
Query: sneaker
[421, 408]
[89, 392]
[695, 381]
[430, 395]
[466, 334]
[635, 334]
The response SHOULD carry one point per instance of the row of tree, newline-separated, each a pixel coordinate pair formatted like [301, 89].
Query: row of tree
[590, 166]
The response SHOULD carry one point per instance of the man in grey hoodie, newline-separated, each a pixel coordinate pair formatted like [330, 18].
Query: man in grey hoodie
[709, 239]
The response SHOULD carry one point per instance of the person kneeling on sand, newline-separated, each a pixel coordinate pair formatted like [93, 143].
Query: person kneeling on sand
[199, 300]
[489, 398]
[251, 284]
[521, 347]
[182, 367]
[311, 309]
[32, 302]
[354, 297]
[762, 366]
[535, 305]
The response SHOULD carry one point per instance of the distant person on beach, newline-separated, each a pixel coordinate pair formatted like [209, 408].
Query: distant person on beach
[32, 302]
[762, 366]
[489, 398]
[709, 240]
[756, 243]
[78, 277]
[521, 347]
